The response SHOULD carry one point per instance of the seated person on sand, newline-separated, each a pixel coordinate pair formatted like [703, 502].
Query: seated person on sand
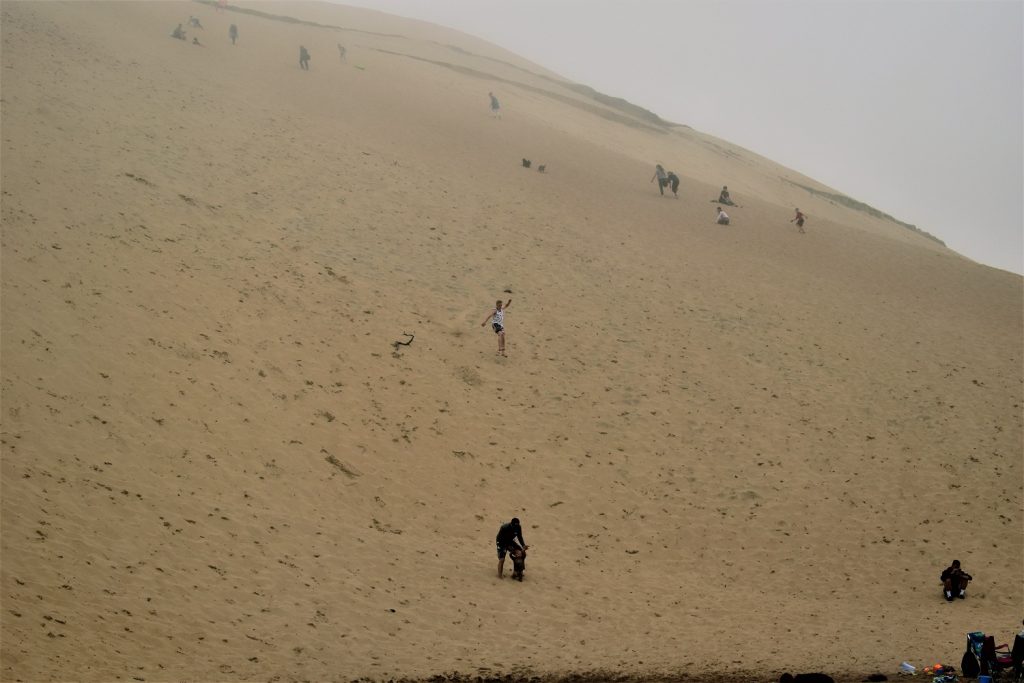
[178, 33]
[724, 198]
[723, 217]
[954, 581]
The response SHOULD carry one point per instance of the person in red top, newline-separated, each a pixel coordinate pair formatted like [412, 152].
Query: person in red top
[799, 219]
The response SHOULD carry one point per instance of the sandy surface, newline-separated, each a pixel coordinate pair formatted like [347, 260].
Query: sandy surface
[736, 451]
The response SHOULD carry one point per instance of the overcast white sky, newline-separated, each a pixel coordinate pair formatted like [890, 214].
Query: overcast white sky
[914, 107]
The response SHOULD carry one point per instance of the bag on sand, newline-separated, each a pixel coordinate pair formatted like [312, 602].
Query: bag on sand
[969, 666]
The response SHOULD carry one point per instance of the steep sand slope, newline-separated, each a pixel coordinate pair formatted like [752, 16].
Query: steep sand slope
[734, 450]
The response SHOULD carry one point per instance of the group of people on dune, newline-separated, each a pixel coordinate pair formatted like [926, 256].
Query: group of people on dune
[180, 33]
[668, 179]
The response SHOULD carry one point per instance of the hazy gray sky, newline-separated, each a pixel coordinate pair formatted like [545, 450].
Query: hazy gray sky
[914, 107]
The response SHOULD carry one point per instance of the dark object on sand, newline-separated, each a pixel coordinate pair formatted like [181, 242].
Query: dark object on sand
[542, 168]
[396, 344]
[1017, 655]
[806, 678]
[876, 678]
[526, 163]
[969, 665]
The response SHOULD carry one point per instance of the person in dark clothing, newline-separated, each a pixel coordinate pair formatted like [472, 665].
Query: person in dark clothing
[724, 198]
[233, 33]
[509, 539]
[518, 563]
[178, 33]
[799, 219]
[954, 581]
[673, 181]
[303, 58]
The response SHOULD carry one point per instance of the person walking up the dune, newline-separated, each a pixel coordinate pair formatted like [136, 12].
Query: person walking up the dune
[495, 106]
[662, 178]
[497, 318]
[303, 58]
[509, 539]
[341, 52]
[799, 219]
[233, 33]
[673, 181]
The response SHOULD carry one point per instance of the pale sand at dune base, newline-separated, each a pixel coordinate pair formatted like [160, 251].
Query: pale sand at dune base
[736, 451]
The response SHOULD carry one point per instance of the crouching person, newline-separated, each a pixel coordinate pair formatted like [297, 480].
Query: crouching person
[954, 582]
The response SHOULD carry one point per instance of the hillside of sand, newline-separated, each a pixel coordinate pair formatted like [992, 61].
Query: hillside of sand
[734, 450]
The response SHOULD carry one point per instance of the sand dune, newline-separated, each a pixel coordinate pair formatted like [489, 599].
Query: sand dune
[735, 451]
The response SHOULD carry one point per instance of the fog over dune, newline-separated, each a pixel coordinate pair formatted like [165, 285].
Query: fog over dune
[912, 107]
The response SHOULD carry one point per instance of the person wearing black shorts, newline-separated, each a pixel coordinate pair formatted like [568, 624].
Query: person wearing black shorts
[509, 539]
[497, 318]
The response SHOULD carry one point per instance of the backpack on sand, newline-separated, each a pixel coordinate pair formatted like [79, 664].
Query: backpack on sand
[969, 665]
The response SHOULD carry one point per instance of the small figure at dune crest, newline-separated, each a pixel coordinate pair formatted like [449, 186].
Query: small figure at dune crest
[303, 58]
[495, 106]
